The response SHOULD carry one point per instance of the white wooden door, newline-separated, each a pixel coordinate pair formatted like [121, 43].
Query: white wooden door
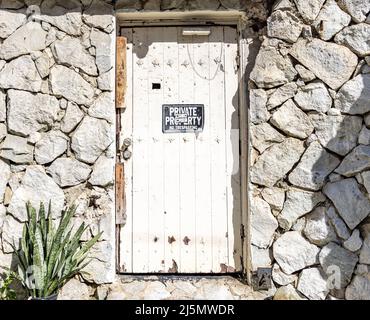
[182, 189]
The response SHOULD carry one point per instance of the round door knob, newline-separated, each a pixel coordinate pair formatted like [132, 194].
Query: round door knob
[127, 155]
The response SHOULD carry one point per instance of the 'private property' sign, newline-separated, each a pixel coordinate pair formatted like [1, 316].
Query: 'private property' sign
[182, 118]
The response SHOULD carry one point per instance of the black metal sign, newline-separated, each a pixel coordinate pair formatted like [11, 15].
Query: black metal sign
[182, 118]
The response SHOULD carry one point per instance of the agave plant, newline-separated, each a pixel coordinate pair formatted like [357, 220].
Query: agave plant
[48, 256]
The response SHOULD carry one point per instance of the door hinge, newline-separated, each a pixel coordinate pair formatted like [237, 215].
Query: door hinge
[237, 61]
[242, 231]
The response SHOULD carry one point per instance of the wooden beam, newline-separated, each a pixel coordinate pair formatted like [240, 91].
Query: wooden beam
[120, 194]
[121, 72]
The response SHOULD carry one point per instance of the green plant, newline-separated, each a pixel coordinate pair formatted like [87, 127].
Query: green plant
[6, 293]
[49, 257]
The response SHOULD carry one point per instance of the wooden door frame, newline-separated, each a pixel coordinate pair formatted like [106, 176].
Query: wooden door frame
[221, 18]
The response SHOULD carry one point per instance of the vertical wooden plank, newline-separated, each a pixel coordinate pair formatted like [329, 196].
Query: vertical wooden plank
[126, 132]
[188, 261]
[155, 149]
[171, 162]
[232, 148]
[218, 147]
[203, 203]
[120, 194]
[140, 155]
[121, 73]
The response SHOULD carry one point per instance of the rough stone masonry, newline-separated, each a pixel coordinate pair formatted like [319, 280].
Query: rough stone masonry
[309, 116]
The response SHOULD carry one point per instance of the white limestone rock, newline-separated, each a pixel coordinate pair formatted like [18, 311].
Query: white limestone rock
[352, 205]
[275, 197]
[284, 25]
[338, 224]
[354, 242]
[291, 120]
[75, 290]
[312, 283]
[330, 62]
[10, 21]
[309, 9]
[11, 234]
[106, 81]
[70, 52]
[4, 177]
[42, 63]
[101, 268]
[258, 111]
[70, 85]
[357, 9]
[2, 106]
[260, 258]
[102, 107]
[68, 172]
[331, 20]
[298, 203]
[333, 255]
[275, 162]
[68, 20]
[91, 138]
[133, 5]
[263, 136]
[356, 161]
[272, 69]
[103, 172]
[36, 186]
[30, 37]
[103, 45]
[365, 176]
[52, 145]
[356, 38]
[359, 288]
[318, 229]
[29, 113]
[287, 293]
[364, 137]
[17, 150]
[354, 96]
[72, 118]
[99, 15]
[2, 218]
[11, 4]
[21, 74]
[3, 131]
[263, 223]
[292, 258]
[281, 278]
[314, 97]
[365, 251]
[282, 94]
[315, 166]
[304, 73]
[339, 133]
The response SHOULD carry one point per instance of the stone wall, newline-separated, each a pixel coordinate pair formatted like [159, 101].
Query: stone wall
[57, 119]
[309, 131]
[310, 156]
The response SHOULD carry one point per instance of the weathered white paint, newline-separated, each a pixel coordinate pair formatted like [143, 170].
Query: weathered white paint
[182, 185]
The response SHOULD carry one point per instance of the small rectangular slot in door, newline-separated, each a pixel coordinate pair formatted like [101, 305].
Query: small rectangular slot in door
[156, 86]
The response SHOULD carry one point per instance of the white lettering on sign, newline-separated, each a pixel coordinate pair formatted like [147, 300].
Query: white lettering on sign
[182, 118]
